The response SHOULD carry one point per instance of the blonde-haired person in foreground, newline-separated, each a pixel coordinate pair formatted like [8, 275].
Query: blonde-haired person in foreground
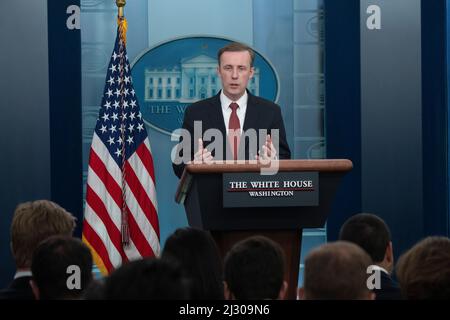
[32, 223]
[336, 271]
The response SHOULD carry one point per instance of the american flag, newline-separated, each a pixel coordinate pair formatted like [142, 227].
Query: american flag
[120, 218]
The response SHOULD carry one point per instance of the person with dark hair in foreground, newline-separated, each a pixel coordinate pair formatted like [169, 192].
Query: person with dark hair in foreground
[424, 270]
[336, 271]
[62, 269]
[372, 234]
[254, 269]
[199, 257]
[147, 279]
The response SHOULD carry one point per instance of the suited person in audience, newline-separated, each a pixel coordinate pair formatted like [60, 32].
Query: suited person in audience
[233, 111]
[372, 234]
[32, 223]
[61, 268]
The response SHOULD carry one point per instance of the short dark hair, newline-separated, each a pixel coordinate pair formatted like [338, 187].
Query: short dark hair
[369, 232]
[95, 290]
[50, 264]
[336, 270]
[236, 47]
[147, 279]
[199, 256]
[254, 269]
[423, 271]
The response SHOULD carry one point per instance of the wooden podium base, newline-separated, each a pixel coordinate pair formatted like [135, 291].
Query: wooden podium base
[289, 240]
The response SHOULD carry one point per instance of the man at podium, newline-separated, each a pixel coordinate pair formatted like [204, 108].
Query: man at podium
[234, 124]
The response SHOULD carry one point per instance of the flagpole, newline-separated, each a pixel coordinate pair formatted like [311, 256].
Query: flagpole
[122, 23]
[120, 4]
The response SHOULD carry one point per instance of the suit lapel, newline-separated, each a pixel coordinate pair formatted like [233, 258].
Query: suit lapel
[215, 116]
[250, 122]
[251, 115]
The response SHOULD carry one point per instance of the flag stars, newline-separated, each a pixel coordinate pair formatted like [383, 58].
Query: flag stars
[105, 117]
[107, 105]
[111, 140]
[119, 126]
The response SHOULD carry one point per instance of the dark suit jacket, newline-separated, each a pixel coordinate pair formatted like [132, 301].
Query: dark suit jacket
[260, 114]
[389, 289]
[19, 289]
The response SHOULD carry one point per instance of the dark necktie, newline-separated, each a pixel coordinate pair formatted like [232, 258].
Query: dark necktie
[234, 130]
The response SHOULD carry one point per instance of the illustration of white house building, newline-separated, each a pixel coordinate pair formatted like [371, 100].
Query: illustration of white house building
[193, 79]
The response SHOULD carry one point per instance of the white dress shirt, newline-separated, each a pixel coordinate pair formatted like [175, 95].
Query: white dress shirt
[21, 274]
[226, 110]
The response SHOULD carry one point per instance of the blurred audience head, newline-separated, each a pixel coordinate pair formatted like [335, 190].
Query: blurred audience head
[61, 268]
[254, 269]
[372, 234]
[147, 279]
[424, 270]
[34, 222]
[95, 290]
[200, 259]
[336, 271]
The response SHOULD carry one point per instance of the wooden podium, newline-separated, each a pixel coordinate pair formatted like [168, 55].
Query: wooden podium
[203, 188]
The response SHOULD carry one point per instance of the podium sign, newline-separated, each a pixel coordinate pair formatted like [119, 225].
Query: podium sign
[284, 189]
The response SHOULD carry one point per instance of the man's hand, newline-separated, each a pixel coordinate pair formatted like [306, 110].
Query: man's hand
[268, 150]
[202, 155]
